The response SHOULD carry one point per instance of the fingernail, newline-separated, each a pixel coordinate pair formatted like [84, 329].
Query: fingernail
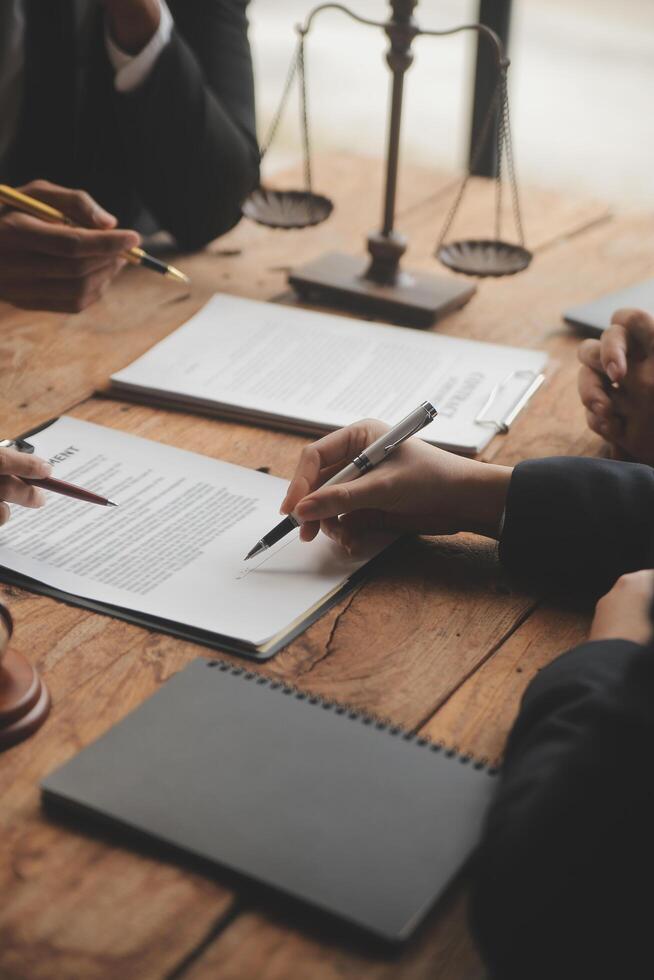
[613, 371]
[39, 498]
[598, 408]
[44, 469]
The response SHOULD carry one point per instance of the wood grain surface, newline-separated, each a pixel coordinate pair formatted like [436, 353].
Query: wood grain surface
[435, 639]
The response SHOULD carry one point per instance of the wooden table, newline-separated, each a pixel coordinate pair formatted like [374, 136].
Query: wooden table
[452, 648]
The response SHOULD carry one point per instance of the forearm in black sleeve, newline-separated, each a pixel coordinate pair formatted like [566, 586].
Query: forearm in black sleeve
[190, 126]
[574, 525]
[569, 835]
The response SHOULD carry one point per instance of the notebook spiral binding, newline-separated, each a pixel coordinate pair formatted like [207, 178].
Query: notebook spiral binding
[381, 724]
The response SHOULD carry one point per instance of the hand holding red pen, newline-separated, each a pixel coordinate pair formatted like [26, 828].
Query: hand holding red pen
[16, 469]
[24, 476]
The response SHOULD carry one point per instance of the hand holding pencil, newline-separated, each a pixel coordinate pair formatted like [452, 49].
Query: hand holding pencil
[59, 250]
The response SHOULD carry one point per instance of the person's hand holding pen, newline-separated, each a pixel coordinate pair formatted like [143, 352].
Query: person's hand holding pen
[419, 488]
[59, 267]
[15, 467]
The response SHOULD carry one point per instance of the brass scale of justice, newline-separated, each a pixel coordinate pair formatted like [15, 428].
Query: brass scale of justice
[377, 285]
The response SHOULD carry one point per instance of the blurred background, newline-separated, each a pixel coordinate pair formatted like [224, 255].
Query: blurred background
[581, 86]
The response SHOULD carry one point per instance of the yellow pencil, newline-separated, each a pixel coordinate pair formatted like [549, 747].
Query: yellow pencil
[39, 209]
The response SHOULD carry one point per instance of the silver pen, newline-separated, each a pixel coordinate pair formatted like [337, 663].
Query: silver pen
[371, 456]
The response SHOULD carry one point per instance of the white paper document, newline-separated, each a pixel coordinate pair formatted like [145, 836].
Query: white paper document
[315, 372]
[173, 547]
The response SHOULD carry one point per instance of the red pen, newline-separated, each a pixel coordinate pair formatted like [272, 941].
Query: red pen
[68, 490]
[50, 483]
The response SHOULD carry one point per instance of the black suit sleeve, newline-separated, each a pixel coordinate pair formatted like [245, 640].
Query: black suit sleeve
[190, 127]
[569, 839]
[575, 525]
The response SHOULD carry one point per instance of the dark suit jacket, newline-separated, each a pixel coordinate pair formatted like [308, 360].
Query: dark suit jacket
[574, 525]
[181, 147]
[568, 849]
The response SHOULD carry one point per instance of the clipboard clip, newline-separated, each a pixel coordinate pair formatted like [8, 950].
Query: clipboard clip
[501, 425]
[20, 444]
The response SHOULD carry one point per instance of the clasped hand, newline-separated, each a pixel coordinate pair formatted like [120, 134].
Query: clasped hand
[616, 385]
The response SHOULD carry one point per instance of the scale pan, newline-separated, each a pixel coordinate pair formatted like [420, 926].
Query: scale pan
[287, 209]
[484, 257]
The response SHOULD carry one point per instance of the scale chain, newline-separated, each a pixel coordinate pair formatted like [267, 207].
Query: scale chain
[517, 216]
[272, 130]
[498, 108]
[304, 117]
[298, 65]
[483, 133]
[499, 158]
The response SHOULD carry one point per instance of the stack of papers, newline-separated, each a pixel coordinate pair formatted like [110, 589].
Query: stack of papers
[312, 372]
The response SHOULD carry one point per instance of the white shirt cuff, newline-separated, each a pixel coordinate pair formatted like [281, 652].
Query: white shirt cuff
[132, 70]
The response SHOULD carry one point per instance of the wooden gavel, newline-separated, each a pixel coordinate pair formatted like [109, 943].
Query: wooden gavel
[24, 698]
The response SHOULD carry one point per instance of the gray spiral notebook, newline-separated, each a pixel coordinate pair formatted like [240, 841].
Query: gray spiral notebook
[326, 805]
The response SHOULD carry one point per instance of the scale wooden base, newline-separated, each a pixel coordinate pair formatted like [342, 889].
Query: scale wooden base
[24, 698]
[415, 298]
